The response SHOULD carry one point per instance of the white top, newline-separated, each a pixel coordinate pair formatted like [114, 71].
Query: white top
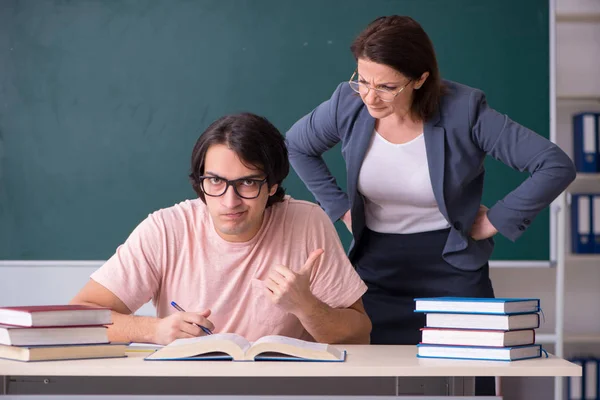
[362, 360]
[394, 179]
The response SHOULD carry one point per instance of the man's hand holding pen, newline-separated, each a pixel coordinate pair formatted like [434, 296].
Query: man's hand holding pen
[182, 325]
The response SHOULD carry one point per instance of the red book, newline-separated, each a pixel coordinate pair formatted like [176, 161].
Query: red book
[61, 315]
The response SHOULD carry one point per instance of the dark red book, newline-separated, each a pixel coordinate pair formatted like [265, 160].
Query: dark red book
[56, 315]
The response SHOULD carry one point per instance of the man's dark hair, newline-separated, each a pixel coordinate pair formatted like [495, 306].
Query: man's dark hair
[256, 142]
[401, 43]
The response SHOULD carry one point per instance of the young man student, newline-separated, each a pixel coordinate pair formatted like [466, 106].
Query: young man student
[243, 258]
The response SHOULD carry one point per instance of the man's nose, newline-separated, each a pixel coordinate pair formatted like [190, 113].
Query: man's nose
[230, 198]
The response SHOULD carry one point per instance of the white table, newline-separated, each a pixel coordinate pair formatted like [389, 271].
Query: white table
[368, 370]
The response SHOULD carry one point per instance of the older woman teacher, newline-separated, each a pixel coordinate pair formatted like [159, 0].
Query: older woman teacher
[414, 147]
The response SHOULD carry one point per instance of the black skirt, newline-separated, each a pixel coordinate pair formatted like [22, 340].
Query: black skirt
[397, 268]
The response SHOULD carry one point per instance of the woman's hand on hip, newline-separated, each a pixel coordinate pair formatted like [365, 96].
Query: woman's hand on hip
[482, 227]
[347, 219]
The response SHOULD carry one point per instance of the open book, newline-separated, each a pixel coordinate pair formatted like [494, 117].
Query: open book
[230, 346]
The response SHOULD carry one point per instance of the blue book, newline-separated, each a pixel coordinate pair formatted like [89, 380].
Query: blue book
[233, 347]
[582, 238]
[479, 352]
[585, 142]
[474, 305]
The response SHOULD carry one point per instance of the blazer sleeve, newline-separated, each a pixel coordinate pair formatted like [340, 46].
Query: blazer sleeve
[306, 141]
[550, 169]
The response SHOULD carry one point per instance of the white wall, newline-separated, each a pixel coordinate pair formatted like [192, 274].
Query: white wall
[43, 285]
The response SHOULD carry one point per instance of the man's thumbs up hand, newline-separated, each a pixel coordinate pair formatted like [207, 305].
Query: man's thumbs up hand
[291, 290]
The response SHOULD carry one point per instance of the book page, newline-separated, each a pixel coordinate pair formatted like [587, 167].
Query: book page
[229, 343]
[294, 348]
[143, 347]
[240, 341]
[303, 344]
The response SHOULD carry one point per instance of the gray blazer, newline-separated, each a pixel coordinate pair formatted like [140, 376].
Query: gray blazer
[457, 139]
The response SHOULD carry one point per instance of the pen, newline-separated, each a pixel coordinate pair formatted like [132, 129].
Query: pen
[178, 308]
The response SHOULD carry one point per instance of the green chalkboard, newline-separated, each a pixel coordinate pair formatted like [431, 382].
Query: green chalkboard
[101, 101]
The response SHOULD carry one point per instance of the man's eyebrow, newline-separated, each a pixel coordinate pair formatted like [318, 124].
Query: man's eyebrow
[253, 176]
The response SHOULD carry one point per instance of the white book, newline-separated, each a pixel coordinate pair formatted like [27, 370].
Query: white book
[25, 336]
[480, 337]
[483, 321]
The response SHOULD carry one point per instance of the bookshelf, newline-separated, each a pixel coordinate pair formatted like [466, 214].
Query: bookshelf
[587, 177]
[549, 338]
[578, 18]
[582, 260]
[585, 183]
[570, 97]
[584, 98]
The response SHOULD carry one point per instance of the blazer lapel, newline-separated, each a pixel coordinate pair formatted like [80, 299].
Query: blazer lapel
[435, 140]
[363, 131]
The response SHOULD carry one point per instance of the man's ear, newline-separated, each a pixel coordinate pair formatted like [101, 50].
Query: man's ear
[273, 189]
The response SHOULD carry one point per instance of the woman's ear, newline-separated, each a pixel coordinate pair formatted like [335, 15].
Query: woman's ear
[421, 80]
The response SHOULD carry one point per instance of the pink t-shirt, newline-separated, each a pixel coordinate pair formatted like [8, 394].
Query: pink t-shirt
[176, 255]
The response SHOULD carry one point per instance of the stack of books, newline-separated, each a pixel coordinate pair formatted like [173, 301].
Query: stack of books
[42, 333]
[501, 329]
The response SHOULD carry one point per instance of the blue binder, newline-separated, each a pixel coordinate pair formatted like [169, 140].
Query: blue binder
[590, 388]
[585, 142]
[586, 386]
[582, 239]
[575, 383]
[596, 224]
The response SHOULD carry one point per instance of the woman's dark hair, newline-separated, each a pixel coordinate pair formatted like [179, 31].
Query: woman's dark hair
[256, 142]
[401, 43]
